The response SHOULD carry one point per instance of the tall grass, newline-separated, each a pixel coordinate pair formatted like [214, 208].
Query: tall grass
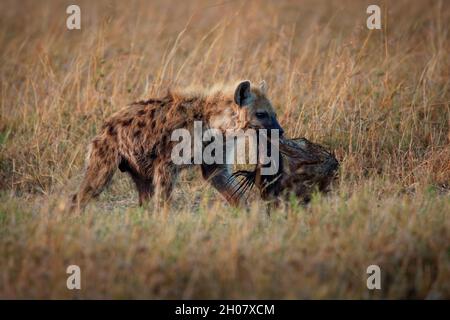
[379, 98]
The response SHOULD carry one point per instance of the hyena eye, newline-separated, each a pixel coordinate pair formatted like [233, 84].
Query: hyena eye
[261, 115]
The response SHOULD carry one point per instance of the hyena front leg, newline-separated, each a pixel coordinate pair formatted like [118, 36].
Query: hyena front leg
[164, 178]
[102, 162]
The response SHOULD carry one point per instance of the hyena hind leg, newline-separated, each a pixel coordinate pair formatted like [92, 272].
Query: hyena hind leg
[102, 164]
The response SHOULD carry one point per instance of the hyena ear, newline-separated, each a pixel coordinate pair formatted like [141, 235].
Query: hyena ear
[263, 86]
[243, 95]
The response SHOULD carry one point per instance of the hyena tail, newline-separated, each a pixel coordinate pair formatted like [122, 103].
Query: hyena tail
[102, 161]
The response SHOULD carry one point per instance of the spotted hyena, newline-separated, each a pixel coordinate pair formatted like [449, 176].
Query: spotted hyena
[137, 139]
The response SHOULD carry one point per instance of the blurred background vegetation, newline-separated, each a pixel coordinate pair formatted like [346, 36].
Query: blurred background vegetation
[379, 98]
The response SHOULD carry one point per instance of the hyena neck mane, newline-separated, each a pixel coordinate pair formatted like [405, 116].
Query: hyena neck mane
[223, 106]
[216, 106]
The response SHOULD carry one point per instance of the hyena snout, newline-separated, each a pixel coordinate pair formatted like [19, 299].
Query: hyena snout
[278, 127]
[264, 121]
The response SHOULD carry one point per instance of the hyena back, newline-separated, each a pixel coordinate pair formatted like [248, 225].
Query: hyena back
[137, 139]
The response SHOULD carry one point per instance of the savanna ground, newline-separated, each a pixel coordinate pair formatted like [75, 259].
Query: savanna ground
[379, 98]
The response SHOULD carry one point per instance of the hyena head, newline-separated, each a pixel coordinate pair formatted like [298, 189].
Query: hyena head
[254, 108]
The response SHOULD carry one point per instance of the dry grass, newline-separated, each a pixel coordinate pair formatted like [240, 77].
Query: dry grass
[380, 99]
